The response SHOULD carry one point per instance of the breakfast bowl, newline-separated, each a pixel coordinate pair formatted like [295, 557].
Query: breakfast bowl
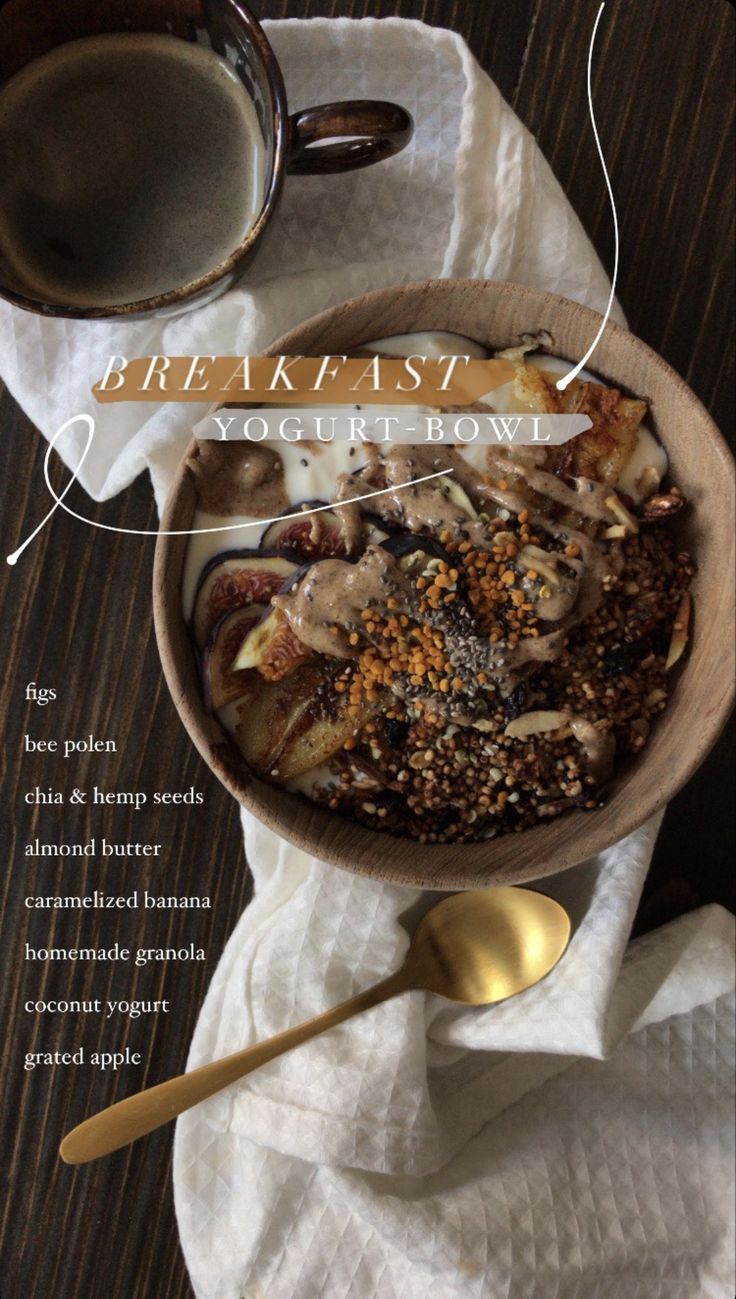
[496, 316]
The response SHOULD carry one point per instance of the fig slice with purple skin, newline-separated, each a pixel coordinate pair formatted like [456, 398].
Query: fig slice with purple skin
[316, 536]
[222, 682]
[271, 647]
[235, 579]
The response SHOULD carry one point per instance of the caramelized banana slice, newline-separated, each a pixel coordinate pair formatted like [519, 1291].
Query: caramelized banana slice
[270, 710]
[318, 737]
[604, 450]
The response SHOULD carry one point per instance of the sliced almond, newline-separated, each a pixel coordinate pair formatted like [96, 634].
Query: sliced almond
[459, 497]
[648, 480]
[655, 696]
[536, 723]
[539, 560]
[527, 343]
[679, 632]
[619, 510]
[536, 552]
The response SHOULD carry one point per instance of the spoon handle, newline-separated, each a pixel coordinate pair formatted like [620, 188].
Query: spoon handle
[137, 1115]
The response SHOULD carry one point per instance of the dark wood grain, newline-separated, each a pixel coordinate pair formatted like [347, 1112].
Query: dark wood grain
[76, 615]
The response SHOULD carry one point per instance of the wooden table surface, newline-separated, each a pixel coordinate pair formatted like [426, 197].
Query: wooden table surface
[77, 617]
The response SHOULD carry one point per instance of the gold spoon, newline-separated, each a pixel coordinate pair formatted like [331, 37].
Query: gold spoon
[476, 948]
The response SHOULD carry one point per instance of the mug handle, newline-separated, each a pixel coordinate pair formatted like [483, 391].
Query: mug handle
[382, 128]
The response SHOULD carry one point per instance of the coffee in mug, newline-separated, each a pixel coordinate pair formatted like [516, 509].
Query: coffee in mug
[130, 164]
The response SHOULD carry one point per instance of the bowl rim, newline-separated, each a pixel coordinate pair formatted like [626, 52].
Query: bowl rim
[313, 837]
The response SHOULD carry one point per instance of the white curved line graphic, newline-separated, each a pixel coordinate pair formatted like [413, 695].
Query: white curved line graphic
[174, 532]
[568, 378]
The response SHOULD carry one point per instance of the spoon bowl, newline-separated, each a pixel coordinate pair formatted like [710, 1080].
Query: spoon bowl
[475, 948]
[485, 945]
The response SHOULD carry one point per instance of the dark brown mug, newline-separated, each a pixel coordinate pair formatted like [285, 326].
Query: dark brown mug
[375, 129]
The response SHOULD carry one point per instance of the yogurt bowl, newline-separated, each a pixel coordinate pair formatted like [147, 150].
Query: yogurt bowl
[493, 316]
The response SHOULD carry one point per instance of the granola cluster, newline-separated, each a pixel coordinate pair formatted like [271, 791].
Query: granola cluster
[411, 772]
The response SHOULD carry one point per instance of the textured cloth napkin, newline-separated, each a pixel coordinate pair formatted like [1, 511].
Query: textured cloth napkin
[573, 1142]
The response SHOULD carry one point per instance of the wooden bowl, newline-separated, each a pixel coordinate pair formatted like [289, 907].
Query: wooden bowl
[495, 314]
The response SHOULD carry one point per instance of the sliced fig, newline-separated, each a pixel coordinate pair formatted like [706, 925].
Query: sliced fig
[222, 683]
[316, 536]
[272, 647]
[303, 569]
[233, 580]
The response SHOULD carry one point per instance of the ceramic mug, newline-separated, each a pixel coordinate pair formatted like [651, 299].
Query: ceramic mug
[368, 130]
